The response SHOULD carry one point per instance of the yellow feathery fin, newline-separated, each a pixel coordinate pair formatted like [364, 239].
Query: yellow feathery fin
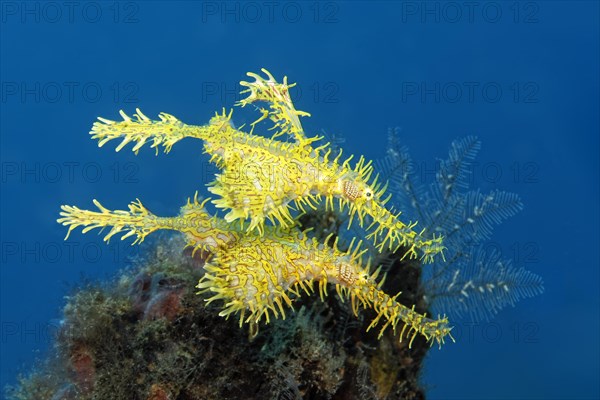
[137, 221]
[165, 132]
[203, 230]
[281, 108]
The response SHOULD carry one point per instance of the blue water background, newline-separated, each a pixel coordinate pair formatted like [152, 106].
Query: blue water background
[362, 67]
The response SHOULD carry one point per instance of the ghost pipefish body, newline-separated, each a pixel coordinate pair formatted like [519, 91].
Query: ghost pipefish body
[258, 275]
[263, 178]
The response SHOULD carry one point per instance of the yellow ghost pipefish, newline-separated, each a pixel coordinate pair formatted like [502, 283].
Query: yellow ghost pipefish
[257, 275]
[262, 178]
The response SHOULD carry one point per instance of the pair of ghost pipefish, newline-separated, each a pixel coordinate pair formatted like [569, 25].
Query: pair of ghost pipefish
[301, 175]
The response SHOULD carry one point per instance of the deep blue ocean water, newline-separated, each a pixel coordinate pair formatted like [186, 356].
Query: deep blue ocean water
[522, 76]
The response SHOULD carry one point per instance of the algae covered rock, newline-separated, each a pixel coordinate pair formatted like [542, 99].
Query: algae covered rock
[148, 335]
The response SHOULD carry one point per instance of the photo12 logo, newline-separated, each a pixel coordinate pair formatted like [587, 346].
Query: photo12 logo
[68, 92]
[470, 12]
[253, 12]
[470, 92]
[70, 12]
[70, 172]
[326, 92]
[12, 332]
